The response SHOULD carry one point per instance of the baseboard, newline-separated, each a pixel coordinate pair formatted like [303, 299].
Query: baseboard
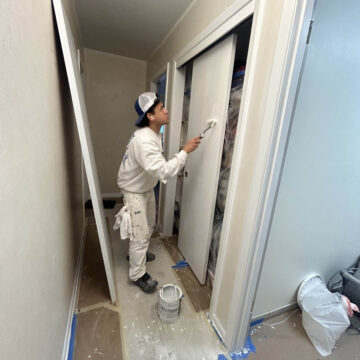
[217, 327]
[159, 228]
[275, 312]
[75, 293]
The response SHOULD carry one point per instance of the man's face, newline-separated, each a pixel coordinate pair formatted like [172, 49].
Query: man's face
[161, 115]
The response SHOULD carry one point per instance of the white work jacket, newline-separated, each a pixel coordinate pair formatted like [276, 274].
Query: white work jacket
[144, 165]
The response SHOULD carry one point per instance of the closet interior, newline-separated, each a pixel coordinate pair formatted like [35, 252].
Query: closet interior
[242, 33]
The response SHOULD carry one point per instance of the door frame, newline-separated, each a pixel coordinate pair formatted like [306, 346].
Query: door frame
[286, 74]
[230, 18]
[279, 101]
[162, 190]
[78, 99]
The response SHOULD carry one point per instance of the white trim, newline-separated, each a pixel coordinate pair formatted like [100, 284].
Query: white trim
[162, 188]
[167, 90]
[75, 293]
[229, 19]
[174, 131]
[172, 29]
[282, 117]
[237, 159]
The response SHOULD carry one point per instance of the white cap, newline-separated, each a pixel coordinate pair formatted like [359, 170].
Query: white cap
[144, 102]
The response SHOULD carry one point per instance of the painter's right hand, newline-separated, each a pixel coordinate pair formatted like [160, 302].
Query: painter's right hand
[192, 144]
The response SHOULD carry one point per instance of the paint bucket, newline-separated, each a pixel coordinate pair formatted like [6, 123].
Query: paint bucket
[170, 296]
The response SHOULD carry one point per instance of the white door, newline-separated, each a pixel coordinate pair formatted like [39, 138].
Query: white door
[77, 95]
[210, 91]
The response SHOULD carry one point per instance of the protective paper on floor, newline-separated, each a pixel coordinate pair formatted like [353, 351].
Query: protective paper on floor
[145, 336]
[98, 335]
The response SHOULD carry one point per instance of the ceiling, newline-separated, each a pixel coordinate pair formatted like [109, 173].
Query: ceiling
[132, 28]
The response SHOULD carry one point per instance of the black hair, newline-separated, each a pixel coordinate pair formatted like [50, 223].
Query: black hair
[146, 121]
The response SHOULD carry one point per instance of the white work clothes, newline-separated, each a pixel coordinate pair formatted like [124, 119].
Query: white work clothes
[143, 164]
[142, 212]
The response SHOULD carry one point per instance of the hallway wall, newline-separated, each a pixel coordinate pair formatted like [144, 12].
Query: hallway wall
[41, 185]
[112, 85]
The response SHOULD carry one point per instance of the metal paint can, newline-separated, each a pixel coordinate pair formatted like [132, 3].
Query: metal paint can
[170, 296]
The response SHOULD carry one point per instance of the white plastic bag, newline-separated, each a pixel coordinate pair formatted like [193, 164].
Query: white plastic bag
[323, 315]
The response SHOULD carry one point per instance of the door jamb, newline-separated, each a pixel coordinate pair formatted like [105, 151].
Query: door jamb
[296, 19]
[78, 100]
[162, 191]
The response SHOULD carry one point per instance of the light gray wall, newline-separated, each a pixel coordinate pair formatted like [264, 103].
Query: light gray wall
[316, 223]
[40, 194]
[113, 83]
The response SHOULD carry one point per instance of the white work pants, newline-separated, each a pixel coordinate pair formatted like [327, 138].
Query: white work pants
[142, 212]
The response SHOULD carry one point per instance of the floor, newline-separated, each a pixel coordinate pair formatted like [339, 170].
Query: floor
[288, 341]
[97, 335]
[145, 336]
[199, 296]
[139, 333]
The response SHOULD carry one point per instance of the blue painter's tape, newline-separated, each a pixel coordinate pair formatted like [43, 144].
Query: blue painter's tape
[247, 350]
[256, 322]
[180, 264]
[244, 354]
[214, 328]
[72, 337]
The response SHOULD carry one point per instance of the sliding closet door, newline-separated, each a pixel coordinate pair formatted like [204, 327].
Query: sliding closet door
[210, 91]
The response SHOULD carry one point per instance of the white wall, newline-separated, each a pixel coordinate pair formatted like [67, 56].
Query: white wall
[316, 222]
[199, 15]
[40, 194]
[113, 83]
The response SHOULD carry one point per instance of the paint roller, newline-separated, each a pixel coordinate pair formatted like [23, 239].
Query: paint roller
[211, 124]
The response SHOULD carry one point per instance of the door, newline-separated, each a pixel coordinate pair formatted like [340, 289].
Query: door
[210, 91]
[77, 95]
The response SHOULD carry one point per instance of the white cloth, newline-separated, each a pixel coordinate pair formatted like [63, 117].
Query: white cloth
[123, 223]
[143, 164]
[142, 212]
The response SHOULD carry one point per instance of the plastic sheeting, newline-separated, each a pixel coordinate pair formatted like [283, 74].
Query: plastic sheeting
[229, 141]
[228, 148]
[323, 315]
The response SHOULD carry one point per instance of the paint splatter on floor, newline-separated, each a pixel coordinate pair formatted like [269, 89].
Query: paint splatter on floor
[243, 354]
